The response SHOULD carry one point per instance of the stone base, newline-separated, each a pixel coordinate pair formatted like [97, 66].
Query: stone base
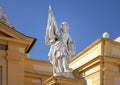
[61, 81]
[64, 74]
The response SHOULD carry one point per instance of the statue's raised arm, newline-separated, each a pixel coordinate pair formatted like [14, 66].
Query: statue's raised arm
[52, 28]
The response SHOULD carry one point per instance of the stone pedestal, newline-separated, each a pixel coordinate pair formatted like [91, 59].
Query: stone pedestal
[61, 81]
[64, 74]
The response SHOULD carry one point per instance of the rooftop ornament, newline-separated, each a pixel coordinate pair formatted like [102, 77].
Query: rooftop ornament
[3, 18]
[106, 35]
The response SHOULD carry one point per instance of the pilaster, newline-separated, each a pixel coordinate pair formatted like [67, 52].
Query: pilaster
[15, 68]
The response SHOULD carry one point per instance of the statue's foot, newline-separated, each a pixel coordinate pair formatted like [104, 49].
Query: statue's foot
[57, 74]
[67, 70]
[54, 74]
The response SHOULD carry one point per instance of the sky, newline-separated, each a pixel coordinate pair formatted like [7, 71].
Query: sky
[87, 19]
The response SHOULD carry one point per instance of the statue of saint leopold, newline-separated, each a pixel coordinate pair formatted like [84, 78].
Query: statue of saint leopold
[62, 45]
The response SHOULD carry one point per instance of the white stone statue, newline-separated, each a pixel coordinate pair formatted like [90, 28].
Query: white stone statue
[62, 46]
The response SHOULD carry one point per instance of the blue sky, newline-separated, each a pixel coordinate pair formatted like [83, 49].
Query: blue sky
[88, 20]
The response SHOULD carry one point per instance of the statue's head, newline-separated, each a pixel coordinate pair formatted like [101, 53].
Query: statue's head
[64, 26]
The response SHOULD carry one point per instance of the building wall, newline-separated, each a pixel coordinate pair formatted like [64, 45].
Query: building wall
[87, 55]
[111, 71]
[111, 63]
[18, 68]
[90, 76]
[3, 66]
[103, 53]
[36, 71]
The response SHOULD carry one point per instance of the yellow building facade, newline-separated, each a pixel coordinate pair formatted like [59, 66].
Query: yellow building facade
[98, 64]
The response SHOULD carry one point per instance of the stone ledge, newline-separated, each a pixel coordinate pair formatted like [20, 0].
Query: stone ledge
[61, 81]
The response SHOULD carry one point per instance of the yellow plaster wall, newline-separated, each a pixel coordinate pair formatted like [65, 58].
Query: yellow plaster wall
[15, 64]
[90, 75]
[112, 48]
[36, 71]
[87, 55]
[93, 79]
[3, 64]
[111, 70]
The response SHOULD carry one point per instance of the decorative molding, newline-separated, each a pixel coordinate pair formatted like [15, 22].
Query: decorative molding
[117, 81]
[84, 59]
[90, 71]
[117, 39]
[43, 68]
[38, 81]
[117, 69]
[89, 82]
[116, 51]
[22, 50]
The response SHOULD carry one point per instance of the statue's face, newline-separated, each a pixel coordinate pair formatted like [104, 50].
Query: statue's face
[65, 27]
